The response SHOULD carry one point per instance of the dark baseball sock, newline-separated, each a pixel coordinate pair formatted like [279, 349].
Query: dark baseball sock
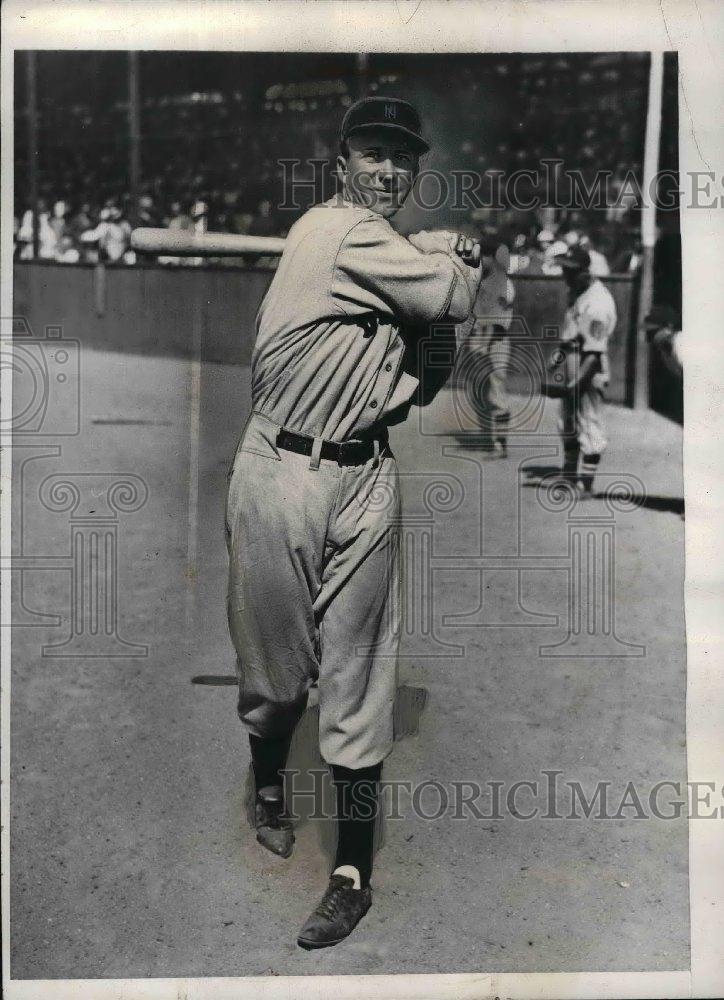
[589, 467]
[268, 759]
[357, 794]
[571, 454]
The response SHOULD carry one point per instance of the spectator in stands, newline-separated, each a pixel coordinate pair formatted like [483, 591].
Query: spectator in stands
[112, 235]
[200, 216]
[58, 222]
[519, 257]
[47, 239]
[66, 253]
[80, 222]
[551, 248]
[241, 220]
[537, 251]
[24, 236]
[179, 219]
[147, 214]
[599, 265]
[263, 224]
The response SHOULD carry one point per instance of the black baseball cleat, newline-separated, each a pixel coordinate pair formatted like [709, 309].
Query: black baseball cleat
[273, 827]
[341, 909]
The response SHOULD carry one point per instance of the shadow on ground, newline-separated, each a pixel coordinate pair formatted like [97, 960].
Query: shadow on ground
[667, 505]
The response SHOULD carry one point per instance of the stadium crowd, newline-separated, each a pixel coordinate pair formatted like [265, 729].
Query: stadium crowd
[90, 233]
[211, 158]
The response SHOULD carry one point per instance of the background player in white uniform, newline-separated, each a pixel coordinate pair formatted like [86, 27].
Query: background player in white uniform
[488, 346]
[583, 372]
[313, 502]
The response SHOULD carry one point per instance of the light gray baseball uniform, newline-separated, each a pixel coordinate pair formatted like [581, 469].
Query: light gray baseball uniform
[313, 544]
[589, 323]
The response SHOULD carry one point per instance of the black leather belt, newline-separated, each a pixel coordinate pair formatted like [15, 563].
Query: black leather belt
[355, 452]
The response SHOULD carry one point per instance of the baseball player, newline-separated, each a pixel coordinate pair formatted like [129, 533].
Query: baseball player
[583, 369]
[313, 499]
[489, 348]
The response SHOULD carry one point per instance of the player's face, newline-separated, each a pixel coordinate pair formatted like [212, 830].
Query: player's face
[379, 171]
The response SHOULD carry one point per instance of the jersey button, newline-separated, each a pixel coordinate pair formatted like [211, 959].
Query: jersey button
[388, 367]
[373, 404]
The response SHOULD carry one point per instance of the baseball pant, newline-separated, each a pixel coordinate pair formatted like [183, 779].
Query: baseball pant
[486, 370]
[581, 421]
[313, 593]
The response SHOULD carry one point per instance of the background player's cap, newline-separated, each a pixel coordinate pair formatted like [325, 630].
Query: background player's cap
[575, 259]
[385, 112]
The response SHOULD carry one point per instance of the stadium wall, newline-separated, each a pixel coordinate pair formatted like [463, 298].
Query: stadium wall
[169, 310]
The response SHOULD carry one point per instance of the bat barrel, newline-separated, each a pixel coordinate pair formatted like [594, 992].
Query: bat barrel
[183, 243]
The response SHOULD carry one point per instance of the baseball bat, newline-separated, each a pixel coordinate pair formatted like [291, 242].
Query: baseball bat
[183, 243]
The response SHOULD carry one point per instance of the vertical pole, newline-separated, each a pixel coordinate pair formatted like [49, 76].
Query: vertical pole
[134, 131]
[32, 113]
[648, 226]
[362, 75]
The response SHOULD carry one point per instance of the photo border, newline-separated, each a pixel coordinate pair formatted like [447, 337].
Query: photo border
[696, 31]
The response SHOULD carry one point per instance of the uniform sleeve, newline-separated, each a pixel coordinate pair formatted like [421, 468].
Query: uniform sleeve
[376, 268]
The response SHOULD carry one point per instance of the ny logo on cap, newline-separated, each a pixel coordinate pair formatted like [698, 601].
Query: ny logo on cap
[390, 111]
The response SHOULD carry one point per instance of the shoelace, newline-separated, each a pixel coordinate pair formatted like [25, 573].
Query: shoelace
[329, 906]
[274, 815]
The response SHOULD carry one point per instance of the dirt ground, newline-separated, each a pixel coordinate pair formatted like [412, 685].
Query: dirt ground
[131, 851]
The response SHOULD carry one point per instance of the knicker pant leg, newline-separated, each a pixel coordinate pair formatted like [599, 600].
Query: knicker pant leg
[358, 607]
[480, 376]
[498, 400]
[276, 522]
[592, 436]
[591, 430]
[568, 429]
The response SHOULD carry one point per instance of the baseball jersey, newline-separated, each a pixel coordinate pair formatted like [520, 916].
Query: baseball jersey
[335, 350]
[591, 319]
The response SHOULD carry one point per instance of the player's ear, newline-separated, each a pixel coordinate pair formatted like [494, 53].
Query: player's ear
[341, 166]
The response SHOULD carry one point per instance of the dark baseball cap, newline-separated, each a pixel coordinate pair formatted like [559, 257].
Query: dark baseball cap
[385, 112]
[576, 258]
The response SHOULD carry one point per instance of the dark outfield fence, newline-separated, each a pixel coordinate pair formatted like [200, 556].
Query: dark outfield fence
[177, 310]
